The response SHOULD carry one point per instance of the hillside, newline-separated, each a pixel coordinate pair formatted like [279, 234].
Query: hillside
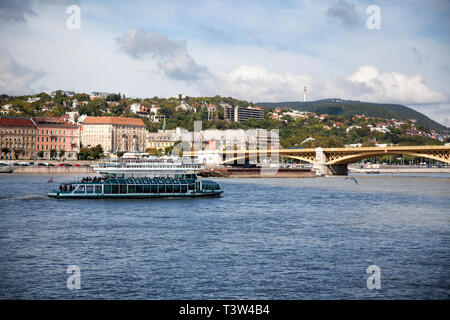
[351, 108]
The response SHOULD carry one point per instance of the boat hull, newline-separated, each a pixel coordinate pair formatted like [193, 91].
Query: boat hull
[61, 195]
[7, 169]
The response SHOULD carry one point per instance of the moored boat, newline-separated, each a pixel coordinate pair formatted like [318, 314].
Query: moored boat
[140, 179]
[6, 168]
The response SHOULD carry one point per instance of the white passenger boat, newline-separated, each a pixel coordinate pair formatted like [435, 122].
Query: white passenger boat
[140, 179]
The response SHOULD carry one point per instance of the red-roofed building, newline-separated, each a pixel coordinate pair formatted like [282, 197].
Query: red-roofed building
[114, 134]
[17, 139]
[59, 135]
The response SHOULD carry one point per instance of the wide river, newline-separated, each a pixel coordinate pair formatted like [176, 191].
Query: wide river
[263, 238]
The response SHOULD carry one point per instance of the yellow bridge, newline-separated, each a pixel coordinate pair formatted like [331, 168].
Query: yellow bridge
[336, 159]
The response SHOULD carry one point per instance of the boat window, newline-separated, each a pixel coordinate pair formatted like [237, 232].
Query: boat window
[89, 189]
[139, 188]
[122, 181]
[169, 189]
[154, 188]
[132, 189]
[98, 189]
[176, 188]
[80, 189]
[183, 188]
[123, 188]
[107, 189]
[161, 188]
[147, 188]
[191, 186]
[115, 188]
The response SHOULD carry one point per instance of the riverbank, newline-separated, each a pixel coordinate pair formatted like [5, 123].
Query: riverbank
[258, 173]
[397, 170]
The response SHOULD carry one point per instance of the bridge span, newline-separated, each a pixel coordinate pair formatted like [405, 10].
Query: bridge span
[333, 161]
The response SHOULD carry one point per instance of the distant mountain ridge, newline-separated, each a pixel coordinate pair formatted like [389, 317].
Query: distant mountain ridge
[352, 108]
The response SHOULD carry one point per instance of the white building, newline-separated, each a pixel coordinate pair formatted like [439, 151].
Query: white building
[184, 106]
[382, 129]
[5, 108]
[351, 128]
[72, 116]
[33, 99]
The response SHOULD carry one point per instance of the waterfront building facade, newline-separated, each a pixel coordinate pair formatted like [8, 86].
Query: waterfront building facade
[55, 134]
[235, 113]
[211, 144]
[164, 138]
[114, 134]
[17, 138]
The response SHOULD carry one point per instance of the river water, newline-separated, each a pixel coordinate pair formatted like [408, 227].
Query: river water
[263, 238]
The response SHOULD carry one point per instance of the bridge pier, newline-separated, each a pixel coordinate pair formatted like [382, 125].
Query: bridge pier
[328, 169]
[331, 170]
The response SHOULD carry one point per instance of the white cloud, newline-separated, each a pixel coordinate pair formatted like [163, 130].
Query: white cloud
[15, 79]
[256, 83]
[301, 48]
[439, 112]
[395, 87]
[172, 57]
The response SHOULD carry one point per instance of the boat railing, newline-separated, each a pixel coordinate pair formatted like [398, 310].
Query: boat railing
[150, 160]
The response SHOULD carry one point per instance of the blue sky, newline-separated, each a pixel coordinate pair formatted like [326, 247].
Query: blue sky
[253, 50]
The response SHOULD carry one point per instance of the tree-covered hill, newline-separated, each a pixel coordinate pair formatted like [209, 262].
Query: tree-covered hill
[352, 108]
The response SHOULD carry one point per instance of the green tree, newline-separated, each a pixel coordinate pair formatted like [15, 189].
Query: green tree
[87, 153]
[153, 152]
[53, 153]
[113, 97]
[96, 152]
[6, 151]
[96, 107]
[61, 153]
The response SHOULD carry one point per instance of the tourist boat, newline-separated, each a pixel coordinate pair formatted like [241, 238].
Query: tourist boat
[140, 179]
[6, 168]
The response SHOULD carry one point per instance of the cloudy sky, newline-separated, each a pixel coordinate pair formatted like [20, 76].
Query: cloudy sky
[255, 50]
